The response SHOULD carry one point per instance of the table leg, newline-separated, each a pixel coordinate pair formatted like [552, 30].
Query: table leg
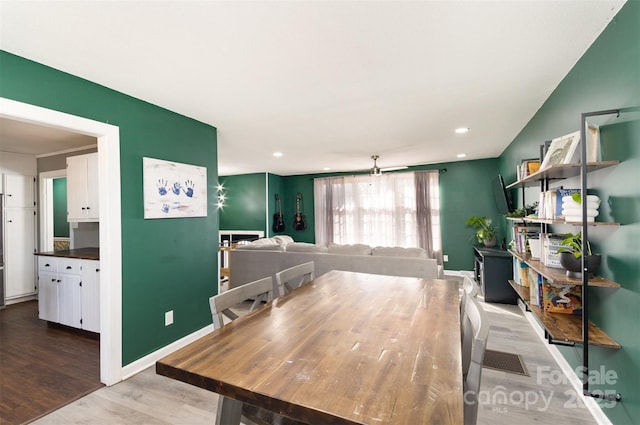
[229, 411]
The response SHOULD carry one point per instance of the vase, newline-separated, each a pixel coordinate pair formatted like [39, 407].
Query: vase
[490, 242]
[573, 265]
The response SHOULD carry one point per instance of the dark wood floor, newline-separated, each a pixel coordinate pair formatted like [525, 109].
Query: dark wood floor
[42, 366]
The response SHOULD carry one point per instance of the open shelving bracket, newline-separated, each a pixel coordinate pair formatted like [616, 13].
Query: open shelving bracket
[585, 279]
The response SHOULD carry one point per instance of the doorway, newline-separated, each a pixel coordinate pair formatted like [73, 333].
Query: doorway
[110, 224]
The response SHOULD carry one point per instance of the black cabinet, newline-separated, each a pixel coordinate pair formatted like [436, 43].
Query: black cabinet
[493, 270]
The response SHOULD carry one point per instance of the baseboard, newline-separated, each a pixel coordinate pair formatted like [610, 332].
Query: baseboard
[150, 359]
[568, 371]
[460, 273]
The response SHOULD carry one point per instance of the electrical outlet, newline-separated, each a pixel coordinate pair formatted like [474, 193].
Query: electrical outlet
[445, 258]
[168, 318]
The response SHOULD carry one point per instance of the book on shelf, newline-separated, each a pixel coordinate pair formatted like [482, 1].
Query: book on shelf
[521, 273]
[550, 203]
[565, 299]
[528, 167]
[536, 290]
[550, 244]
[521, 234]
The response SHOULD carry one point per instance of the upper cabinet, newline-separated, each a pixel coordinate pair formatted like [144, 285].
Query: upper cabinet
[82, 188]
[19, 191]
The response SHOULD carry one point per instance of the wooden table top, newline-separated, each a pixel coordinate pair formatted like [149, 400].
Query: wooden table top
[347, 348]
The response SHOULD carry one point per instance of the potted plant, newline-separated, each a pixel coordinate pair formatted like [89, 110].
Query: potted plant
[486, 232]
[571, 256]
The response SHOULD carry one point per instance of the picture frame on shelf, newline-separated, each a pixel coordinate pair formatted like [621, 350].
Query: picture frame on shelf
[561, 150]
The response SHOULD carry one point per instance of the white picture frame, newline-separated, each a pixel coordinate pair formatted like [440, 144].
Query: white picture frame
[561, 150]
[173, 190]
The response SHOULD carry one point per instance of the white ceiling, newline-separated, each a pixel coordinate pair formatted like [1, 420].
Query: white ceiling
[326, 83]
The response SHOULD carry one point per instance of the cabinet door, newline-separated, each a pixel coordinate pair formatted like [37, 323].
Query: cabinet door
[91, 295]
[48, 296]
[76, 188]
[82, 188]
[69, 300]
[92, 187]
[19, 191]
[20, 244]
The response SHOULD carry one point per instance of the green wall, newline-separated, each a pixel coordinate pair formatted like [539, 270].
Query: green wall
[607, 76]
[168, 264]
[245, 202]
[60, 224]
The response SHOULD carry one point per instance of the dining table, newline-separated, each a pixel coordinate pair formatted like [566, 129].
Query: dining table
[346, 348]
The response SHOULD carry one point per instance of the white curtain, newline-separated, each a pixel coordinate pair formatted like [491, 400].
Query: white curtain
[377, 211]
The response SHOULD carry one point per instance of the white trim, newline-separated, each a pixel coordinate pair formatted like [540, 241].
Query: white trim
[568, 371]
[110, 224]
[81, 148]
[45, 185]
[150, 359]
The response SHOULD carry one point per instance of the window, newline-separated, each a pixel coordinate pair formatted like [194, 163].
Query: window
[395, 209]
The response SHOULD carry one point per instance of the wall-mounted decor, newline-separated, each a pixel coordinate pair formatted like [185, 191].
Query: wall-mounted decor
[173, 190]
[561, 150]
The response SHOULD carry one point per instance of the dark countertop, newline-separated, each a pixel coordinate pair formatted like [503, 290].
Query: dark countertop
[83, 253]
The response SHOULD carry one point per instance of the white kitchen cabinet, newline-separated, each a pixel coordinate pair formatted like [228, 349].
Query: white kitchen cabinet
[47, 289]
[82, 188]
[20, 244]
[19, 191]
[90, 301]
[69, 292]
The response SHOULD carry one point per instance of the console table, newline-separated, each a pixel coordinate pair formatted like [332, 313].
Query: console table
[493, 270]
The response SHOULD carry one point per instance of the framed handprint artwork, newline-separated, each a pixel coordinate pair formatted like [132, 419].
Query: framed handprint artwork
[173, 190]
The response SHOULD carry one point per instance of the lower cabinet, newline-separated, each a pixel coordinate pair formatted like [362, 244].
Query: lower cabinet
[69, 292]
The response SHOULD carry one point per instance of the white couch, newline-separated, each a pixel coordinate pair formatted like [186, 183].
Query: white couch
[265, 258]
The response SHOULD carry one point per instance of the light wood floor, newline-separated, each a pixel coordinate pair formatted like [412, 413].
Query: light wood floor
[151, 399]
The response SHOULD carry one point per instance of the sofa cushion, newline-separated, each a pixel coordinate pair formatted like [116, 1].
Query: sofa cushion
[355, 249]
[268, 244]
[282, 239]
[305, 247]
[388, 251]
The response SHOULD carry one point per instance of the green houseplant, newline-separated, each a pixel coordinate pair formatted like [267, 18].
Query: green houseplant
[571, 256]
[486, 232]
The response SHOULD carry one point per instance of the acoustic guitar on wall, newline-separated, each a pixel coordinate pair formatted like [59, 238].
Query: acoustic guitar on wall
[278, 219]
[299, 223]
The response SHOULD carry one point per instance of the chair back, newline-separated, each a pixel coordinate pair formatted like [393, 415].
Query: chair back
[468, 289]
[294, 277]
[259, 290]
[475, 332]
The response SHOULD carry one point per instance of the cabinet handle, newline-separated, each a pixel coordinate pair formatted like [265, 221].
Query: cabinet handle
[53, 280]
[47, 265]
[97, 270]
[88, 208]
[68, 267]
[83, 208]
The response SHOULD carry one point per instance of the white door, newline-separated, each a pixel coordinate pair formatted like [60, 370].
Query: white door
[76, 187]
[20, 245]
[19, 191]
[92, 187]
[69, 300]
[91, 295]
[48, 296]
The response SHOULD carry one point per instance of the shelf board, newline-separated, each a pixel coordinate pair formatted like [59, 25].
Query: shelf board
[569, 223]
[561, 171]
[558, 276]
[565, 327]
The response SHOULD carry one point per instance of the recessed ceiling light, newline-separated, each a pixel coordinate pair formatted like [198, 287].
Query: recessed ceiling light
[461, 155]
[326, 168]
[462, 130]
[277, 154]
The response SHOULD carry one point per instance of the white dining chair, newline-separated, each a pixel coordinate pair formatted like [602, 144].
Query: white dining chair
[475, 332]
[467, 289]
[294, 277]
[259, 290]
[221, 304]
